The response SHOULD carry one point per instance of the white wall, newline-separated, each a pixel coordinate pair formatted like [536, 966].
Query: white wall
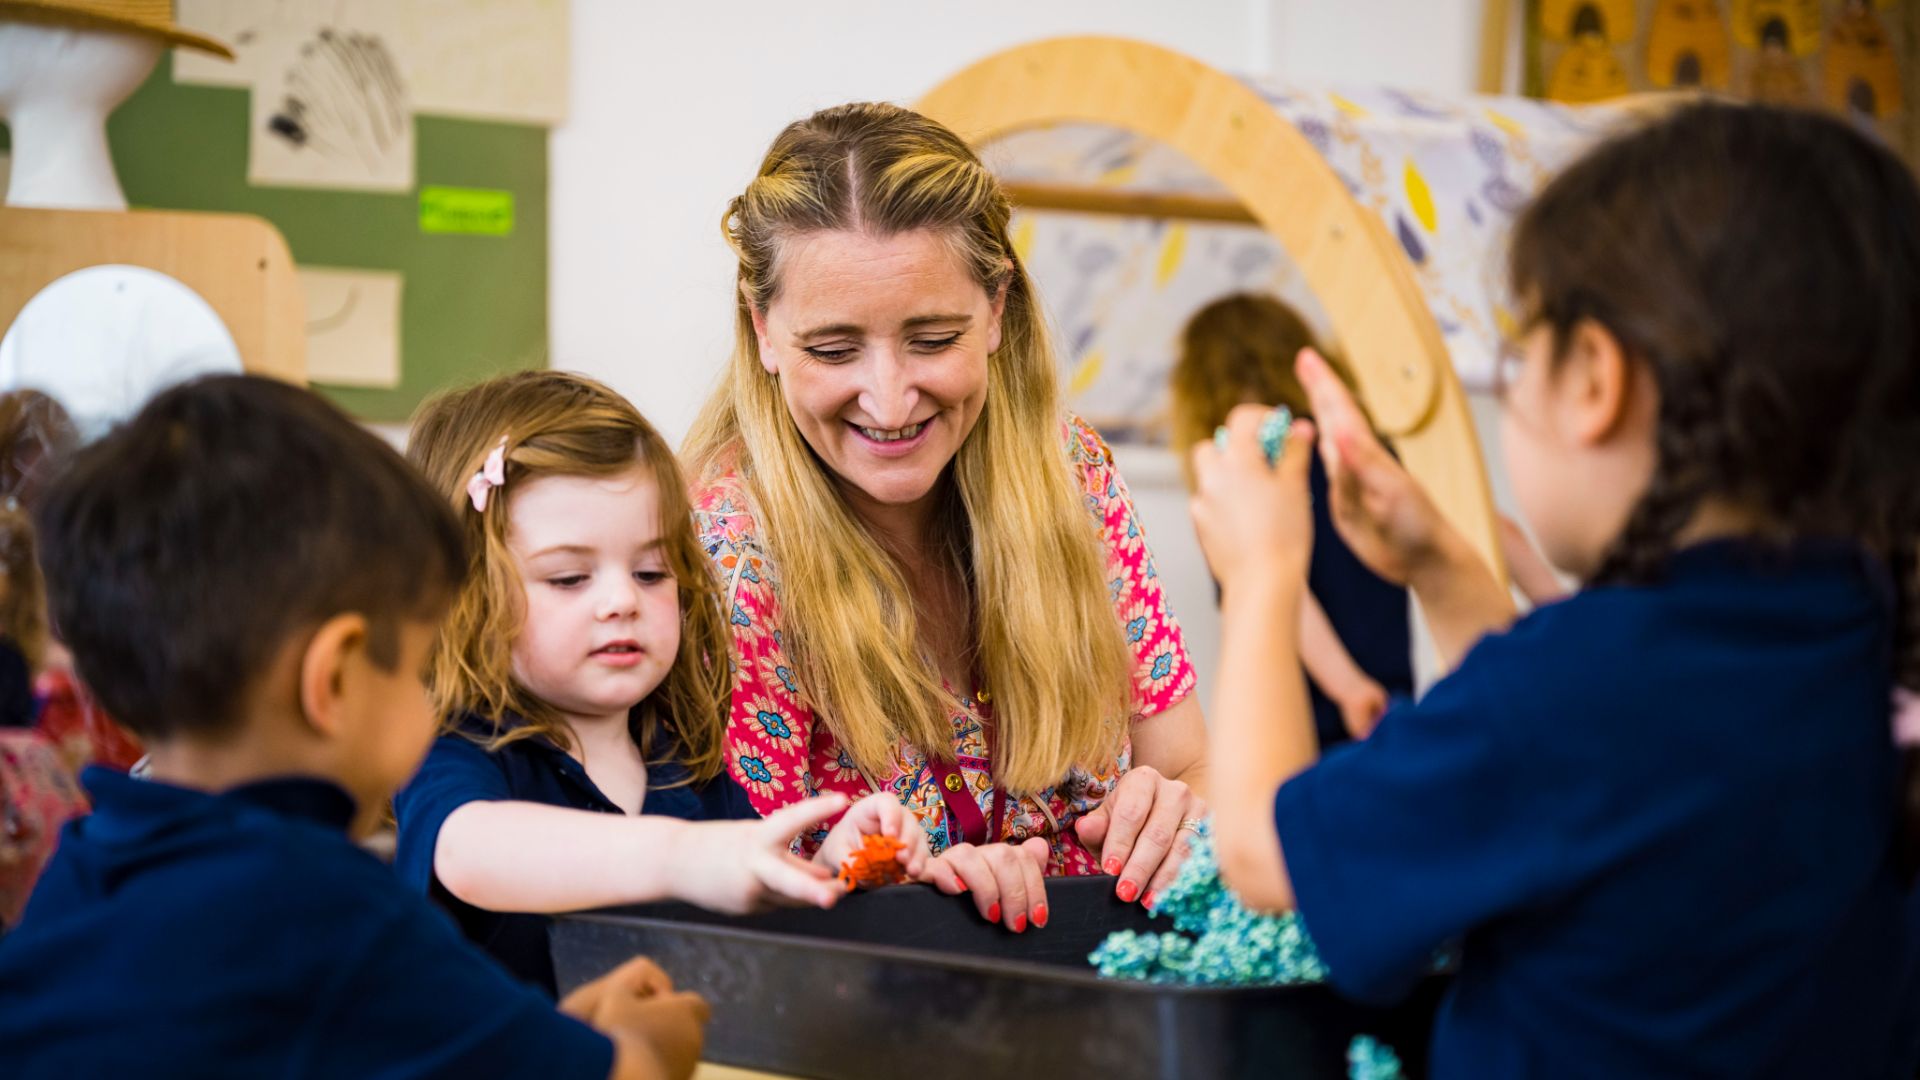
[672, 106]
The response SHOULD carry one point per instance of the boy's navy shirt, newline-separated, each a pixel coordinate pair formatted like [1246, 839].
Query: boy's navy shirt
[181, 933]
[460, 770]
[1660, 818]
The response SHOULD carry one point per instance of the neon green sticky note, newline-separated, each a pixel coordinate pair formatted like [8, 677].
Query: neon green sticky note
[470, 211]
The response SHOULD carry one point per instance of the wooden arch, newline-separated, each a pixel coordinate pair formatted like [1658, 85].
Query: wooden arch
[1387, 333]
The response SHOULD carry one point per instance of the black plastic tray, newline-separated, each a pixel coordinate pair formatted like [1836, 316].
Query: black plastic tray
[906, 982]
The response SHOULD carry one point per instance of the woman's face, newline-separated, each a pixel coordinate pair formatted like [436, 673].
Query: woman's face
[881, 346]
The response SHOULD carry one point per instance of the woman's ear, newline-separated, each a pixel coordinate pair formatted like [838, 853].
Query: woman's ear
[325, 669]
[759, 317]
[998, 309]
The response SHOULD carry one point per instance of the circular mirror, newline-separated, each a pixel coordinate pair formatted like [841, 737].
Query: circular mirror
[104, 340]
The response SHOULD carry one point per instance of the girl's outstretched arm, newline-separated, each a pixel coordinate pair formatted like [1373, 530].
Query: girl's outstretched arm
[1262, 725]
[531, 857]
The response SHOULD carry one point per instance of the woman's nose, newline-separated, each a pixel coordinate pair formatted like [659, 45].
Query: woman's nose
[890, 396]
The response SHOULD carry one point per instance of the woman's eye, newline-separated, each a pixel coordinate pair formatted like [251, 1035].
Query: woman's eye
[566, 581]
[933, 345]
[651, 577]
[828, 356]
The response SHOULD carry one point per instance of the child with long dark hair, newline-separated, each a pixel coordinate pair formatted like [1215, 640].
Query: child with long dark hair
[1664, 818]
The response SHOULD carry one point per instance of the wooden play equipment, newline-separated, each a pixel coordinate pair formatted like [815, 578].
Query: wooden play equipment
[238, 264]
[1263, 170]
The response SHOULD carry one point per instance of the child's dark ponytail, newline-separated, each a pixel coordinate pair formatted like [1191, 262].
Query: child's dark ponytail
[1765, 265]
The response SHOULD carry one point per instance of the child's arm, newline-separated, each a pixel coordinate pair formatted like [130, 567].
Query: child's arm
[1361, 700]
[530, 857]
[1262, 725]
[656, 1033]
[1391, 525]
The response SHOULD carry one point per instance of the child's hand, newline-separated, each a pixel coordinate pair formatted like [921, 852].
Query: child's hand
[657, 1032]
[1361, 707]
[1382, 514]
[877, 814]
[1252, 517]
[1008, 881]
[738, 867]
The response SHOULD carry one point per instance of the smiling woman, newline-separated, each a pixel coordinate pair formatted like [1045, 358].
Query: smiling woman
[936, 582]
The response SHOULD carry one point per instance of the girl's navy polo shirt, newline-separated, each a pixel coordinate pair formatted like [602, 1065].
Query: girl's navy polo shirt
[460, 770]
[182, 933]
[1660, 819]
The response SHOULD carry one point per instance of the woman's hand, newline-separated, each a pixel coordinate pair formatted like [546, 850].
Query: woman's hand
[1137, 831]
[1253, 518]
[738, 867]
[1383, 515]
[1008, 881]
[878, 814]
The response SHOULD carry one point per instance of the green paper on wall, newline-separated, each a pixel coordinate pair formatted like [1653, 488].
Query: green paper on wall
[468, 211]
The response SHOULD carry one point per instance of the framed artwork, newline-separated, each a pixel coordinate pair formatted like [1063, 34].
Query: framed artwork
[1859, 58]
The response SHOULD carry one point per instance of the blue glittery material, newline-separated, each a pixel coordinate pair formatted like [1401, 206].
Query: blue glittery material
[1216, 939]
[1370, 1059]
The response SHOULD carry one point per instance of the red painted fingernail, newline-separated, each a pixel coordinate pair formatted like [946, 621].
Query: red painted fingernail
[1147, 900]
[1019, 924]
[963, 887]
[1128, 890]
[993, 913]
[1040, 915]
[1112, 866]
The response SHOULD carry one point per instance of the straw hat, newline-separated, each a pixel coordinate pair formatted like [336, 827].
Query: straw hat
[143, 16]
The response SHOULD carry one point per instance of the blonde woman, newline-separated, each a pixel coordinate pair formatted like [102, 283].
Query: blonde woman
[935, 579]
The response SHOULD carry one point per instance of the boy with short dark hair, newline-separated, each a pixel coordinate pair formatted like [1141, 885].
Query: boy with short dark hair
[252, 583]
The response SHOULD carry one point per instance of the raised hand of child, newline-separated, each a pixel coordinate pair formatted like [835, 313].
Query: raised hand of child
[738, 867]
[1382, 514]
[1008, 881]
[657, 1033]
[877, 814]
[1253, 518]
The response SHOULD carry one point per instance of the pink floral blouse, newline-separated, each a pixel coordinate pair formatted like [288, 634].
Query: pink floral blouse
[781, 752]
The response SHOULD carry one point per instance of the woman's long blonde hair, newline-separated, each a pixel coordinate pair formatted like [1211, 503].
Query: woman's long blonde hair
[1237, 350]
[1047, 641]
[559, 424]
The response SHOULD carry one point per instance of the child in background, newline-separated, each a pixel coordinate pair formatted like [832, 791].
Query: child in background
[582, 678]
[253, 583]
[1356, 638]
[1662, 816]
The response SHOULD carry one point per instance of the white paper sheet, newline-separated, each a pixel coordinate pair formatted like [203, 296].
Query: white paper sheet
[330, 111]
[353, 326]
[479, 59]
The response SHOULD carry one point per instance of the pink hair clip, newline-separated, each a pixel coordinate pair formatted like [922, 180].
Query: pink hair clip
[492, 474]
[1906, 718]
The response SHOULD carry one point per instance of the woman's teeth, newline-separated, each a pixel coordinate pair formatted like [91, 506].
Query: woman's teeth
[894, 434]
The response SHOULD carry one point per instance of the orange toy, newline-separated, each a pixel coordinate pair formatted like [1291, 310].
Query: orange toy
[875, 863]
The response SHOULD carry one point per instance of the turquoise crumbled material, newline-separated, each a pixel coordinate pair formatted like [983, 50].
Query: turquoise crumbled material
[1273, 434]
[1216, 939]
[1370, 1059]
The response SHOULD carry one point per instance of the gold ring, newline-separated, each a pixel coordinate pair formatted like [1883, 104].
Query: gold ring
[1191, 825]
